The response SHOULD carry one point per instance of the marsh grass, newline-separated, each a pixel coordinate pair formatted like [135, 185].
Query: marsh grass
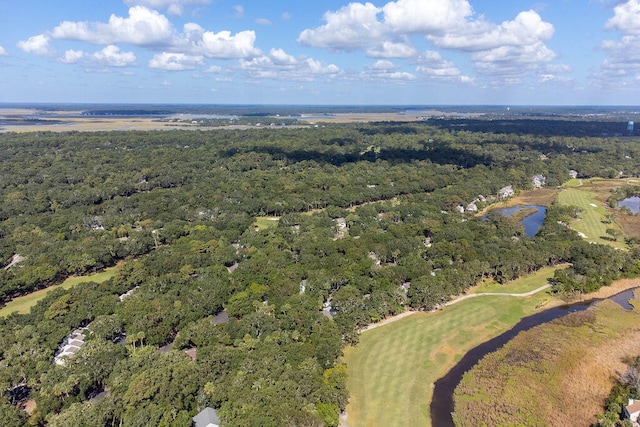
[555, 374]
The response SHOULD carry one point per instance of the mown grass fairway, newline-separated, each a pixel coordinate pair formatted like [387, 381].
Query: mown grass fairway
[264, 222]
[520, 286]
[393, 368]
[592, 214]
[23, 304]
[573, 183]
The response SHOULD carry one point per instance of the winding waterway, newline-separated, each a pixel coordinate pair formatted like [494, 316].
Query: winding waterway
[442, 401]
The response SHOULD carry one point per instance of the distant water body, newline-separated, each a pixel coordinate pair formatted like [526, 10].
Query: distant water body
[294, 110]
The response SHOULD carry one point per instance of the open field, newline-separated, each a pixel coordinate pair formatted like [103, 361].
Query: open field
[409, 355]
[569, 383]
[264, 222]
[591, 216]
[23, 304]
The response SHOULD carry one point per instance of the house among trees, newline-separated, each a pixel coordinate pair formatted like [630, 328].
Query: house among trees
[206, 418]
[538, 181]
[506, 192]
[632, 411]
[70, 346]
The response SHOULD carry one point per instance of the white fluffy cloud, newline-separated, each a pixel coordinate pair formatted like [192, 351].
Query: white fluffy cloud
[353, 27]
[434, 67]
[38, 45]
[527, 29]
[3, 51]
[626, 18]
[393, 49]
[110, 56]
[387, 71]
[143, 27]
[147, 28]
[279, 65]
[175, 61]
[426, 16]
[534, 53]
[383, 32]
[71, 56]
[622, 65]
[218, 45]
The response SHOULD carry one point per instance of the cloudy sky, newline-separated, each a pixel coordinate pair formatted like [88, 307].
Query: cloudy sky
[567, 52]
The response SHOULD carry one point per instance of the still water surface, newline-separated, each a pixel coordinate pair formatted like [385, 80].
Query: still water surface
[632, 203]
[531, 223]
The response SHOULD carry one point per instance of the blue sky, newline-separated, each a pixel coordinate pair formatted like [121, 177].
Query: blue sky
[560, 52]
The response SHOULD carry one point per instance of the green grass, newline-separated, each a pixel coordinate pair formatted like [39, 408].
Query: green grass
[520, 286]
[264, 222]
[591, 215]
[573, 183]
[23, 304]
[393, 368]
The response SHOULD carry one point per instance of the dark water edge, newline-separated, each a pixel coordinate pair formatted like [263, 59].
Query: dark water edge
[531, 222]
[442, 402]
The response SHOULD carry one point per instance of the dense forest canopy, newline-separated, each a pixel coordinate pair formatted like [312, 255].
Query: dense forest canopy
[367, 221]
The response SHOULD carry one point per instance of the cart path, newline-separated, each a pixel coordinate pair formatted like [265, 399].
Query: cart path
[455, 301]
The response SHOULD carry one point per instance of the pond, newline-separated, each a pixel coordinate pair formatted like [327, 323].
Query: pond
[531, 222]
[442, 402]
[631, 203]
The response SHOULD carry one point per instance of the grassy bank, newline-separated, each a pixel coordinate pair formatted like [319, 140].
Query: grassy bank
[555, 374]
[23, 304]
[393, 368]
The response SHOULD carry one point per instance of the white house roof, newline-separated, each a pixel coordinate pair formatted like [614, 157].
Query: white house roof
[206, 418]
